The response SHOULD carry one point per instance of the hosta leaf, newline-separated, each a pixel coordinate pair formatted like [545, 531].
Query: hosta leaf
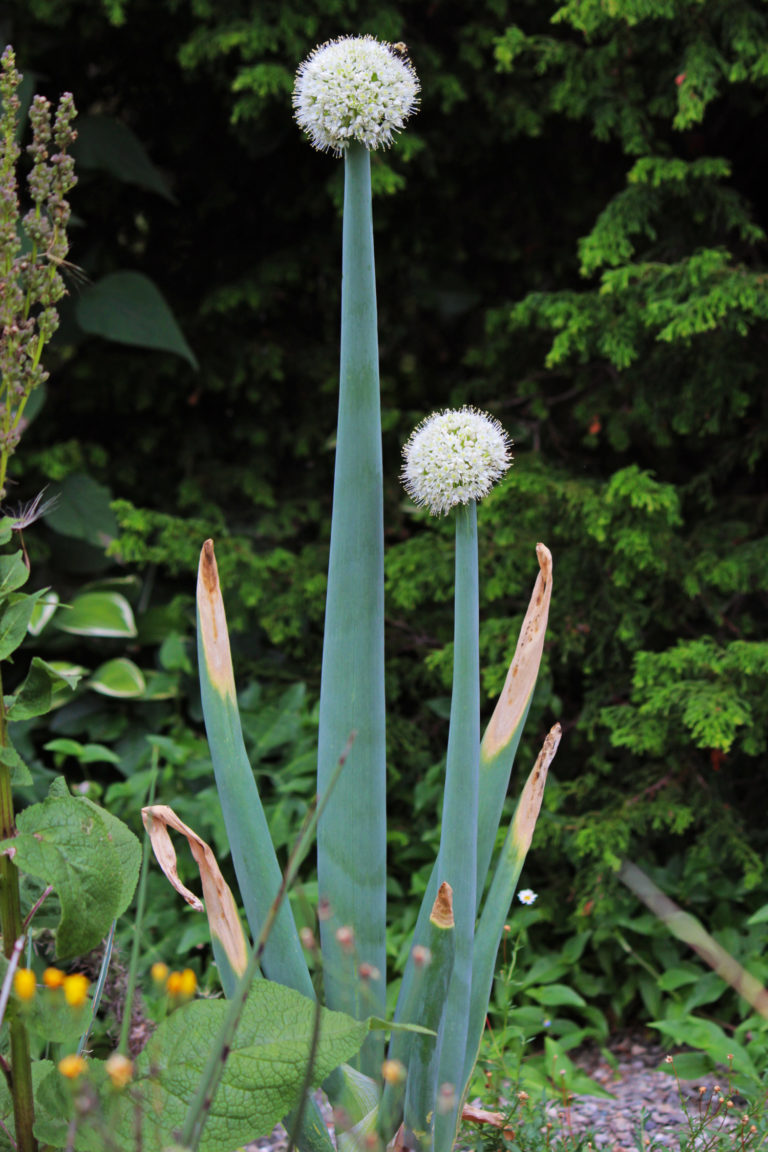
[98, 614]
[118, 677]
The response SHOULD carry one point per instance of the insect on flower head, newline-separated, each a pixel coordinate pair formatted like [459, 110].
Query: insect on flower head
[354, 88]
[453, 457]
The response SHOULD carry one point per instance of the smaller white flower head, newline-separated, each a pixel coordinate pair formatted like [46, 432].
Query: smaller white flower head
[453, 457]
[527, 896]
[354, 88]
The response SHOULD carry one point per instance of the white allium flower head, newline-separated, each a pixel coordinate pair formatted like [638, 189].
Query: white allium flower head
[453, 457]
[354, 88]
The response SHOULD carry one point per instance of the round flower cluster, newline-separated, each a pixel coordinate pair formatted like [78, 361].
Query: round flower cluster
[453, 457]
[354, 88]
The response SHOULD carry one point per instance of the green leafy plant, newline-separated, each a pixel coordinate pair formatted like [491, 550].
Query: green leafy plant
[66, 843]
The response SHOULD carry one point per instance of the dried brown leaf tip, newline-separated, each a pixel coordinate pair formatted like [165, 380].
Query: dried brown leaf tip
[442, 909]
[529, 805]
[219, 902]
[521, 677]
[212, 622]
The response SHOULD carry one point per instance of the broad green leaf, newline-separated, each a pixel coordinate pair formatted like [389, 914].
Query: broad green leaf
[555, 995]
[128, 850]
[689, 1066]
[760, 916]
[35, 696]
[14, 619]
[66, 842]
[13, 573]
[573, 1079]
[85, 753]
[110, 145]
[118, 677]
[21, 776]
[128, 308]
[262, 1077]
[98, 614]
[677, 978]
[43, 611]
[83, 511]
[711, 1038]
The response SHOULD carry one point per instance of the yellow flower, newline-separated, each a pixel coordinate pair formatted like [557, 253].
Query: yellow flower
[188, 982]
[181, 985]
[173, 984]
[75, 989]
[72, 1066]
[159, 972]
[53, 978]
[392, 1072]
[119, 1069]
[24, 983]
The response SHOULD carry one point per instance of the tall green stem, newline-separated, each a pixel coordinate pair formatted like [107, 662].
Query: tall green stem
[352, 832]
[12, 928]
[457, 857]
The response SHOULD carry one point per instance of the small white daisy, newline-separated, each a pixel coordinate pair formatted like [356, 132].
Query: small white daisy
[527, 896]
[354, 88]
[453, 457]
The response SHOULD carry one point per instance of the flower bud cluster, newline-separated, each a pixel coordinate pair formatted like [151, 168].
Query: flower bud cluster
[30, 281]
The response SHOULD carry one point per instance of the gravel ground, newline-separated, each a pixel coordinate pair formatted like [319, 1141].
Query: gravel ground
[646, 1100]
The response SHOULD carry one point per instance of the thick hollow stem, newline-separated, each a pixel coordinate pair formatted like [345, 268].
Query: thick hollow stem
[458, 838]
[352, 832]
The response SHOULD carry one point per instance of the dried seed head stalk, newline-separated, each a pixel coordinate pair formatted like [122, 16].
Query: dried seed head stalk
[30, 281]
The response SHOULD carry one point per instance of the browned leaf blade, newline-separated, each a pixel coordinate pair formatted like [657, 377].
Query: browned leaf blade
[219, 902]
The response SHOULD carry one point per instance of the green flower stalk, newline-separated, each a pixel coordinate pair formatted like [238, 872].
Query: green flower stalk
[451, 461]
[352, 95]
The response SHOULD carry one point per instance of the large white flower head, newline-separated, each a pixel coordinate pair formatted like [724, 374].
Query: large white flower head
[453, 457]
[354, 88]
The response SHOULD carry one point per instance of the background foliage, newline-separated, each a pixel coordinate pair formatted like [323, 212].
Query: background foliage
[571, 235]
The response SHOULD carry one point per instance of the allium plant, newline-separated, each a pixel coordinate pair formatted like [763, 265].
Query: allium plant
[353, 95]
